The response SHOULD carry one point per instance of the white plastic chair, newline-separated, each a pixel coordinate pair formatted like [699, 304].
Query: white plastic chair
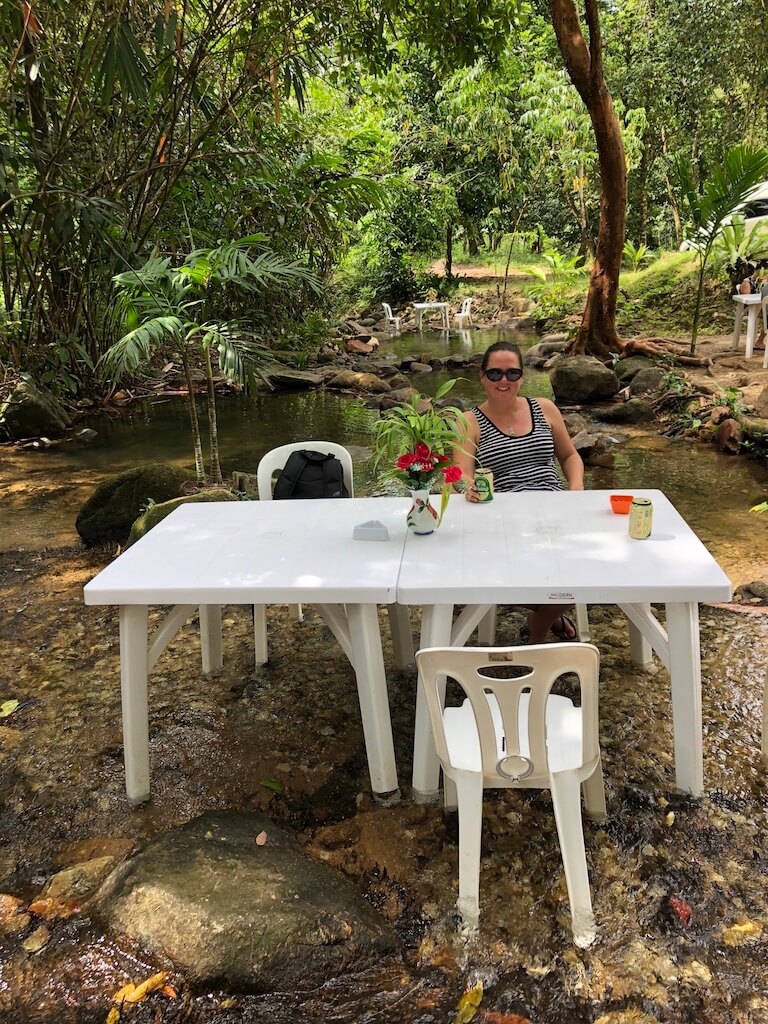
[514, 733]
[464, 316]
[269, 465]
[393, 321]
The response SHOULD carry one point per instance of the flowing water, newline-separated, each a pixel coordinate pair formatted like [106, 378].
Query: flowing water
[214, 741]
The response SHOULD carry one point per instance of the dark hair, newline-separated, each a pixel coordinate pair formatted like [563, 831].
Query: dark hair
[501, 346]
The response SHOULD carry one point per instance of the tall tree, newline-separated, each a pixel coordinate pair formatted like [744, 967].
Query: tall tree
[597, 333]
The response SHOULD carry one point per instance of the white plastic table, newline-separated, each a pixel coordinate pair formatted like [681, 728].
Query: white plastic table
[207, 555]
[564, 548]
[420, 308]
[753, 304]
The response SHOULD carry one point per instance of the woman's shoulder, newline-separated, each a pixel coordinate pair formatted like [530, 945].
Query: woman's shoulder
[548, 407]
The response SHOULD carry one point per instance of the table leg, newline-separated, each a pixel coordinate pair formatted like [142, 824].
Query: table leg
[640, 650]
[374, 700]
[436, 622]
[737, 324]
[210, 638]
[260, 642]
[752, 317]
[685, 673]
[446, 320]
[402, 637]
[133, 689]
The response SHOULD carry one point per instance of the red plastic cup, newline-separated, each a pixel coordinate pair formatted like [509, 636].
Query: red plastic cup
[621, 503]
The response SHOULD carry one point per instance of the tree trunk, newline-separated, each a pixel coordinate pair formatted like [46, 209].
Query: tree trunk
[213, 426]
[197, 444]
[584, 62]
[449, 251]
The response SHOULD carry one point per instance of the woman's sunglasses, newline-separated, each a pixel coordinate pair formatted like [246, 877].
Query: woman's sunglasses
[495, 374]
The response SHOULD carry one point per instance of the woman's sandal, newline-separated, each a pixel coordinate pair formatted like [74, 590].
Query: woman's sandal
[566, 632]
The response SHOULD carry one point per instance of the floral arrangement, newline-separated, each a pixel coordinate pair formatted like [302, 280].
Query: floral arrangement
[421, 444]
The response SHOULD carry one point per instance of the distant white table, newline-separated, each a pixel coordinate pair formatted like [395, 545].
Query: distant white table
[567, 548]
[257, 552]
[754, 304]
[420, 308]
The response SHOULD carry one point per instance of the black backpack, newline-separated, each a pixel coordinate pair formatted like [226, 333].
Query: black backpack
[311, 475]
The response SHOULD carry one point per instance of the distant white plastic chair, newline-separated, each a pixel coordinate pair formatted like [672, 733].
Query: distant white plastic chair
[464, 316]
[269, 466]
[393, 322]
[514, 733]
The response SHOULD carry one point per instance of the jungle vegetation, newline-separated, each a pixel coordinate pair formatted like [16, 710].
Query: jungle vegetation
[353, 144]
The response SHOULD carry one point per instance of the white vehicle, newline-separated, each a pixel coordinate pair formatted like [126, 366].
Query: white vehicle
[754, 210]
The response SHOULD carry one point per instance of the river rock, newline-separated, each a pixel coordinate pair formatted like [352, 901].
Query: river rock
[27, 413]
[582, 379]
[420, 368]
[286, 377]
[157, 513]
[575, 423]
[588, 445]
[626, 369]
[78, 880]
[633, 411]
[648, 379]
[761, 404]
[226, 909]
[347, 379]
[113, 507]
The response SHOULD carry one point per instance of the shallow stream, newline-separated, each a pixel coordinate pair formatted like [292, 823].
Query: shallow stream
[295, 722]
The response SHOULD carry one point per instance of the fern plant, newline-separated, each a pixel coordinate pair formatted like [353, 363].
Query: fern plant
[634, 255]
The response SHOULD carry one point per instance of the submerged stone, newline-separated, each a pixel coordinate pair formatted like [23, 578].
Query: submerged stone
[231, 899]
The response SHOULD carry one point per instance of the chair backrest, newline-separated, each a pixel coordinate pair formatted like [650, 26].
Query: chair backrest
[274, 460]
[523, 759]
[388, 311]
[466, 304]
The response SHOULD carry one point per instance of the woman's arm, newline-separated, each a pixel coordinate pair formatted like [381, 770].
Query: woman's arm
[567, 456]
[464, 455]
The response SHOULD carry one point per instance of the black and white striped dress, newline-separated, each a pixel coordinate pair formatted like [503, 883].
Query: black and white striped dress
[518, 463]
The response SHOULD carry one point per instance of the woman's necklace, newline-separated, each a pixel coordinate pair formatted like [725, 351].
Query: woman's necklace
[505, 424]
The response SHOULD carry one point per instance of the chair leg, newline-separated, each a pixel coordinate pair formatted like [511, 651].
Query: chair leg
[469, 791]
[593, 789]
[582, 623]
[570, 831]
[298, 611]
[450, 797]
[260, 634]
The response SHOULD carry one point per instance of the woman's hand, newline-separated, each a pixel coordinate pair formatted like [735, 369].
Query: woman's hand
[470, 491]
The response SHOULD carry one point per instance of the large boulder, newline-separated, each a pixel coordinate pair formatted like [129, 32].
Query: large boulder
[111, 510]
[287, 377]
[27, 413]
[156, 513]
[626, 369]
[582, 379]
[233, 901]
[633, 411]
[761, 403]
[649, 379]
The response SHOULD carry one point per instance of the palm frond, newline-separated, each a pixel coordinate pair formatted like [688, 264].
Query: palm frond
[135, 347]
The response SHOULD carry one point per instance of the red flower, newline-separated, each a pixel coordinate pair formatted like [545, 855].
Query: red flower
[442, 458]
[422, 451]
[405, 461]
[451, 474]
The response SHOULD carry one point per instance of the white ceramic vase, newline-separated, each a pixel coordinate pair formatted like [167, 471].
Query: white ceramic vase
[422, 517]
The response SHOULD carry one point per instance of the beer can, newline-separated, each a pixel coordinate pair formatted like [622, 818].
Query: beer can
[640, 518]
[484, 484]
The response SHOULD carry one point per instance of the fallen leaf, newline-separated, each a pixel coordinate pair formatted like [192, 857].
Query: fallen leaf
[261, 839]
[670, 818]
[169, 991]
[739, 934]
[468, 1004]
[8, 707]
[121, 993]
[494, 1017]
[113, 1017]
[273, 784]
[37, 940]
[142, 991]
[682, 910]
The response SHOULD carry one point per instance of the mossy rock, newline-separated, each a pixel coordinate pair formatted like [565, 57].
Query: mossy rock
[28, 413]
[627, 369]
[109, 513]
[157, 513]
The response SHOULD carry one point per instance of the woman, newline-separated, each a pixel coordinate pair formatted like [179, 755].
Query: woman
[518, 439]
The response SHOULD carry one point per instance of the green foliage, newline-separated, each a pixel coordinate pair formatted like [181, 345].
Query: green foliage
[401, 429]
[731, 181]
[559, 288]
[634, 255]
[737, 251]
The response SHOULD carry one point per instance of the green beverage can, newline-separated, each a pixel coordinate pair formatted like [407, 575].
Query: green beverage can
[484, 484]
[640, 518]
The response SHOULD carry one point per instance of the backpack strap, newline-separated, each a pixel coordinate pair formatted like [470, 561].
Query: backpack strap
[333, 478]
